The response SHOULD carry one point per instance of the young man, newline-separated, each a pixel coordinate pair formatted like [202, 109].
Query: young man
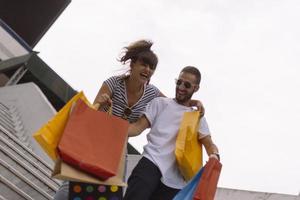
[156, 176]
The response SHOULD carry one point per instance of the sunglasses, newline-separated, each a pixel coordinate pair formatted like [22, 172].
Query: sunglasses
[127, 112]
[186, 84]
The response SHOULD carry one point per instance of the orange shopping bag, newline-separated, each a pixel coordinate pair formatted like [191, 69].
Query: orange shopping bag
[207, 186]
[93, 141]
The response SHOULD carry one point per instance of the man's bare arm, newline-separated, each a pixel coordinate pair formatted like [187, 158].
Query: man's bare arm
[138, 127]
[210, 147]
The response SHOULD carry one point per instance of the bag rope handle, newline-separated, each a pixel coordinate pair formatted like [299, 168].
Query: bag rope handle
[97, 106]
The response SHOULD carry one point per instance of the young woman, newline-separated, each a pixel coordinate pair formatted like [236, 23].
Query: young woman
[129, 93]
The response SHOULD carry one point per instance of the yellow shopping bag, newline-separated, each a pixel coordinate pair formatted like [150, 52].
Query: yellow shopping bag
[188, 150]
[50, 133]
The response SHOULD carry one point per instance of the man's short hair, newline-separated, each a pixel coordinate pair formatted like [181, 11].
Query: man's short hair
[193, 70]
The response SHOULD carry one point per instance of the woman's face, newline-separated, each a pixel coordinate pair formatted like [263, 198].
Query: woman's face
[141, 71]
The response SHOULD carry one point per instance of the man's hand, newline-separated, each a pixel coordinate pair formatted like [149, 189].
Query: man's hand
[199, 105]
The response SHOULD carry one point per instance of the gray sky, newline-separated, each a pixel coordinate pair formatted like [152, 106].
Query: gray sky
[247, 53]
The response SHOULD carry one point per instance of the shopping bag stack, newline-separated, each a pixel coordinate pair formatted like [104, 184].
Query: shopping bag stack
[202, 181]
[88, 146]
[48, 136]
[93, 141]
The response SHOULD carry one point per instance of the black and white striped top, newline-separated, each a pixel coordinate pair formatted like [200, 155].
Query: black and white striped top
[117, 87]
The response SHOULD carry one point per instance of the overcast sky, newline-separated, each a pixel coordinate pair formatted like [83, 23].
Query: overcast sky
[248, 53]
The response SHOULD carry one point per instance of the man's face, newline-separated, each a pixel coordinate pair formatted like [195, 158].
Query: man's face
[185, 87]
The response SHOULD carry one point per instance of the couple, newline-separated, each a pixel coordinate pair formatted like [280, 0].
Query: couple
[156, 176]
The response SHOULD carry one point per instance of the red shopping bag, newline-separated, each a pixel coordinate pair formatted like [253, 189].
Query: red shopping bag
[93, 141]
[207, 186]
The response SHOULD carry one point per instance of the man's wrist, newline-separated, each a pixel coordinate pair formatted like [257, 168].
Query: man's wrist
[216, 154]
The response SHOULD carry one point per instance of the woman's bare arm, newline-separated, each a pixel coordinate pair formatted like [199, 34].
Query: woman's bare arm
[103, 97]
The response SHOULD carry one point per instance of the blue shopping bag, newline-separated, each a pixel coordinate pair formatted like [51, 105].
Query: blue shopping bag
[187, 192]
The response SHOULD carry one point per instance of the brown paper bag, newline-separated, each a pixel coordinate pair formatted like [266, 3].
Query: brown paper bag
[64, 171]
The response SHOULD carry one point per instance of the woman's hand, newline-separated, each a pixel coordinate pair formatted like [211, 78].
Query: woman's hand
[103, 97]
[102, 100]
[199, 105]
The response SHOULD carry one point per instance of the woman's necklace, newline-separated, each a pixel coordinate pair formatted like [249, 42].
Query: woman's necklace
[133, 95]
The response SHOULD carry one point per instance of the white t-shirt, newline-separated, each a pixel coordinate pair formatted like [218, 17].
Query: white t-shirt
[165, 115]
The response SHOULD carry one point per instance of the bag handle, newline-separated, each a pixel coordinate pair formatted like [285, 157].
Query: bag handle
[97, 106]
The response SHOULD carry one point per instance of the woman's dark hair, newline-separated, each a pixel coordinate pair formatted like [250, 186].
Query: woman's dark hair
[140, 50]
[193, 70]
